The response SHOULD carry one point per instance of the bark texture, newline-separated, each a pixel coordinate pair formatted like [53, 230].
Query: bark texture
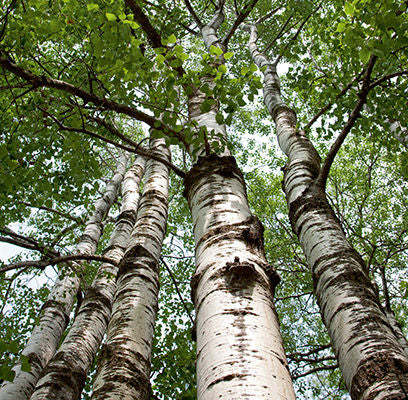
[372, 361]
[124, 366]
[239, 347]
[65, 375]
[55, 312]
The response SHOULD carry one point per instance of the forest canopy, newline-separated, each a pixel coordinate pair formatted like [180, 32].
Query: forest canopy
[244, 157]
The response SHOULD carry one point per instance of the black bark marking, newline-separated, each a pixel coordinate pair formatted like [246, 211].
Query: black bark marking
[132, 256]
[240, 272]
[226, 378]
[382, 367]
[210, 165]
[59, 306]
[64, 369]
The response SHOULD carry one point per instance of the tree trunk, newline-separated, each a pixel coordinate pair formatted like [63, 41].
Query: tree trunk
[65, 375]
[124, 366]
[396, 327]
[372, 361]
[239, 347]
[55, 311]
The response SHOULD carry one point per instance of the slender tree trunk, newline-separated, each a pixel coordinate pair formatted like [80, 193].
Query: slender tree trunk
[124, 366]
[371, 359]
[239, 347]
[396, 327]
[55, 311]
[65, 375]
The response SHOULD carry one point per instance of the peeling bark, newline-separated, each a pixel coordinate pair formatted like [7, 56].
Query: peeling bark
[55, 312]
[65, 375]
[124, 365]
[372, 361]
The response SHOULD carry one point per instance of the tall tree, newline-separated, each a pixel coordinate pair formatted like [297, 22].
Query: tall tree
[124, 365]
[65, 374]
[56, 310]
[372, 360]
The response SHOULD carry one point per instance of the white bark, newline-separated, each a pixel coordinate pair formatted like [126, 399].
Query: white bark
[124, 365]
[239, 347]
[55, 312]
[372, 361]
[65, 375]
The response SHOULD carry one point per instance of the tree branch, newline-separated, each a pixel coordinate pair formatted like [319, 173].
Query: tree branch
[265, 17]
[141, 151]
[296, 34]
[154, 37]
[327, 106]
[41, 264]
[355, 114]
[138, 149]
[103, 103]
[387, 77]
[273, 41]
[53, 210]
[240, 18]
[193, 14]
[314, 370]
[177, 289]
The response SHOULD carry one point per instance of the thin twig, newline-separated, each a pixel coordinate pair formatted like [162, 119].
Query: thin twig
[296, 34]
[193, 14]
[329, 105]
[177, 289]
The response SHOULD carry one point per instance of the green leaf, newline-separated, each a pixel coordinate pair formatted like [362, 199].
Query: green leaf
[160, 59]
[215, 50]
[110, 17]
[92, 7]
[349, 9]
[341, 26]
[222, 68]
[54, 26]
[206, 106]
[244, 70]
[132, 24]
[253, 67]
[377, 52]
[25, 364]
[364, 55]
[171, 39]
[228, 55]
[6, 373]
[219, 118]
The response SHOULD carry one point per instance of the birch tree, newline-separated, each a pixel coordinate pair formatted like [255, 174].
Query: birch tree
[124, 365]
[66, 372]
[55, 312]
